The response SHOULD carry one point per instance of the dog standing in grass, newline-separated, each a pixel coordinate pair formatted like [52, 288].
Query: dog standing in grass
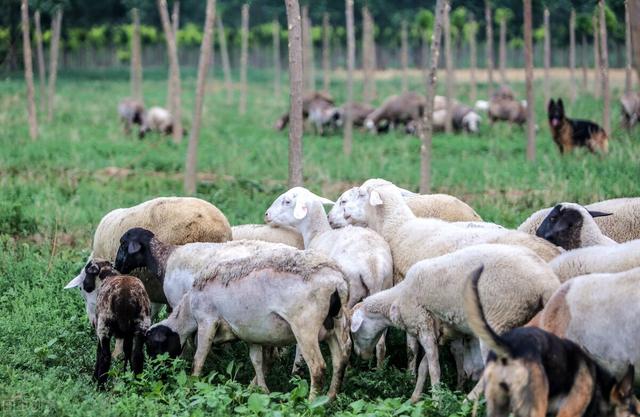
[568, 133]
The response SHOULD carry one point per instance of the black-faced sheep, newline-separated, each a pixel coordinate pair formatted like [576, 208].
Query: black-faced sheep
[131, 112]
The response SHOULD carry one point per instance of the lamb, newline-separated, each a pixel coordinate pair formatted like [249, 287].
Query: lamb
[268, 233]
[599, 312]
[623, 224]
[630, 106]
[156, 119]
[176, 220]
[516, 280]
[363, 256]
[441, 206]
[122, 310]
[596, 259]
[271, 294]
[571, 226]
[131, 112]
[395, 110]
[413, 239]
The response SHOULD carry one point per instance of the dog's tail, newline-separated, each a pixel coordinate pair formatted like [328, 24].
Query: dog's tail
[477, 320]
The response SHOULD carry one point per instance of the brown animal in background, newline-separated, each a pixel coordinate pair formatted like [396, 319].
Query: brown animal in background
[630, 104]
[568, 133]
[400, 109]
[509, 110]
[311, 102]
[131, 112]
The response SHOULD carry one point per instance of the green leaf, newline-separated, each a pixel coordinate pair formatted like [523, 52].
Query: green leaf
[258, 402]
[319, 402]
[181, 378]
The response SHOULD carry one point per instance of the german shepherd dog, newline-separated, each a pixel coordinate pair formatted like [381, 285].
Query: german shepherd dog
[530, 372]
[568, 133]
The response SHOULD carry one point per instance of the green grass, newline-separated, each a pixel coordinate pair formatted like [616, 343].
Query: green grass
[58, 186]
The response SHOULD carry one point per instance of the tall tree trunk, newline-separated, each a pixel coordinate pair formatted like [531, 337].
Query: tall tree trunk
[628, 75]
[547, 56]
[174, 72]
[28, 71]
[367, 95]
[326, 53]
[473, 63]
[424, 55]
[277, 79]
[136, 59]
[503, 51]
[244, 58]
[42, 72]
[426, 131]
[191, 164]
[596, 57]
[56, 28]
[296, 86]
[528, 59]
[404, 55]
[634, 20]
[351, 63]
[372, 54]
[308, 63]
[175, 26]
[489, 30]
[572, 54]
[604, 70]
[224, 54]
[448, 126]
[585, 71]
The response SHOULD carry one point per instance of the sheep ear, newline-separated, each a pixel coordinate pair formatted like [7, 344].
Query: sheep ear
[76, 282]
[325, 200]
[406, 193]
[133, 247]
[300, 210]
[595, 214]
[374, 198]
[356, 320]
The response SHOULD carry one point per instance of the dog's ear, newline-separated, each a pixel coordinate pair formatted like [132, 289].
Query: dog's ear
[551, 105]
[561, 105]
[623, 390]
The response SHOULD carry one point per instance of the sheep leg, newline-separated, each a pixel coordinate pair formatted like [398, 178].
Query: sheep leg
[457, 350]
[206, 333]
[118, 349]
[298, 362]
[127, 346]
[339, 359]
[381, 350]
[310, 350]
[103, 360]
[422, 376]
[255, 353]
[137, 358]
[412, 354]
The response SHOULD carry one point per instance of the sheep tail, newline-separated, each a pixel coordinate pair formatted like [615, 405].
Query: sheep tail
[477, 320]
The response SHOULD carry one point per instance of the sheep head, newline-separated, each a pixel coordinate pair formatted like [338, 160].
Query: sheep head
[563, 226]
[290, 208]
[134, 249]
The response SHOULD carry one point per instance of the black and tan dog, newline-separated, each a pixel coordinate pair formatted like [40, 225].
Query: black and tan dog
[530, 372]
[568, 133]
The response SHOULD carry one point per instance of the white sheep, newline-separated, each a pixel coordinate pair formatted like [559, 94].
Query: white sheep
[122, 310]
[623, 224]
[273, 295]
[363, 256]
[268, 233]
[600, 313]
[156, 119]
[572, 226]
[596, 259]
[516, 281]
[439, 206]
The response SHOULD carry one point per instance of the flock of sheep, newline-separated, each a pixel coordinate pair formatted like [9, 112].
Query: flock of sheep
[382, 257]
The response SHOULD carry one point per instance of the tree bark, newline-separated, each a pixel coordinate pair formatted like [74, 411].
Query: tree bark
[634, 20]
[528, 58]
[136, 59]
[585, 71]
[175, 26]
[628, 75]
[224, 54]
[426, 131]
[489, 33]
[174, 71]
[277, 79]
[448, 125]
[547, 57]
[244, 58]
[294, 25]
[56, 28]
[308, 64]
[367, 95]
[404, 55]
[604, 70]
[203, 67]
[28, 71]
[572, 54]
[503, 51]
[473, 63]
[42, 72]
[326, 53]
[351, 62]
[596, 57]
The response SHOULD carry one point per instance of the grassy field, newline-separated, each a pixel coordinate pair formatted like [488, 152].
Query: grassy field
[54, 191]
